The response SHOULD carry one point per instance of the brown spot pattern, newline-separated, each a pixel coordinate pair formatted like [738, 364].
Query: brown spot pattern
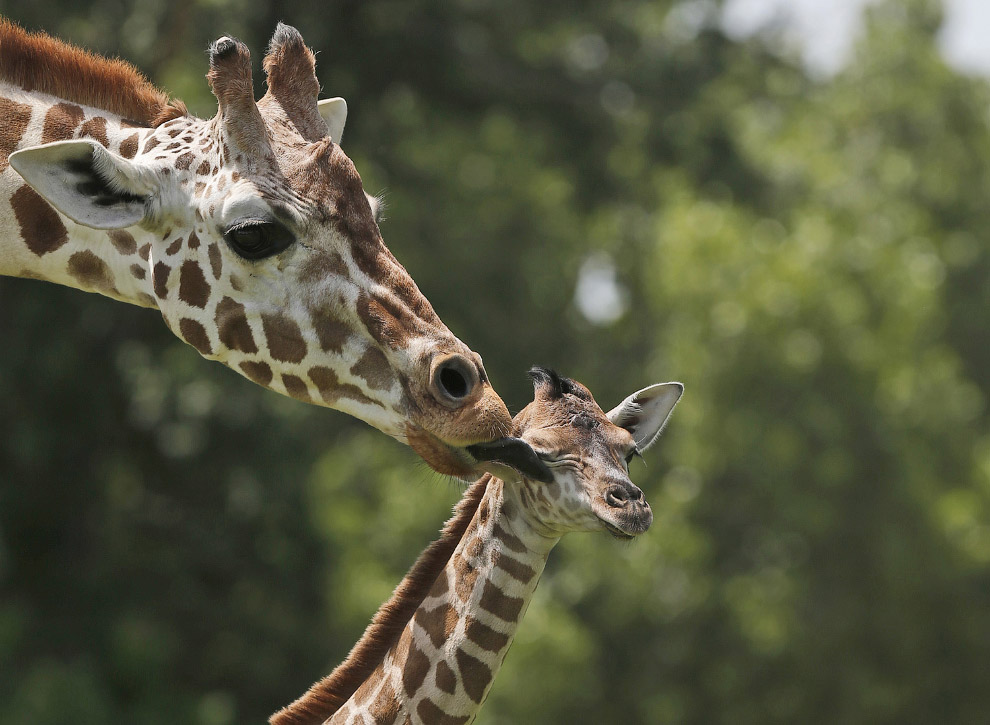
[332, 390]
[16, 117]
[465, 576]
[144, 251]
[259, 372]
[331, 332]
[193, 288]
[174, 246]
[516, 569]
[485, 637]
[511, 542]
[193, 240]
[195, 334]
[61, 122]
[385, 708]
[96, 128]
[321, 267]
[475, 675]
[233, 328]
[159, 276]
[285, 341]
[367, 687]
[185, 160]
[440, 586]
[122, 241]
[374, 368]
[503, 606]
[438, 623]
[296, 387]
[204, 168]
[138, 272]
[414, 672]
[216, 259]
[129, 146]
[388, 322]
[445, 678]
[429, 712]
[91, 272]
[151, 143]
[41, 228]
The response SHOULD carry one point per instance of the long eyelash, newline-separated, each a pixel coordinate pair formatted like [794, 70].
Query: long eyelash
[635, 453]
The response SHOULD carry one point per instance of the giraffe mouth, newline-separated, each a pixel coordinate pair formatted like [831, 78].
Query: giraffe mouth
[616, 532]
[442, 457]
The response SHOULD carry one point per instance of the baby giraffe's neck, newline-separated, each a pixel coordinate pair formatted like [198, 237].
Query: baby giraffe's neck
[447, 657]
[441, 666]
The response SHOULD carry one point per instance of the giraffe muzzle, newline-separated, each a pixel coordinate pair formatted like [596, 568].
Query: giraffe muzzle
[627, 512]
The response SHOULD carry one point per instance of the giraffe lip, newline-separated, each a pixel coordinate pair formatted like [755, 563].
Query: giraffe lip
[615, 531]
[514, 453]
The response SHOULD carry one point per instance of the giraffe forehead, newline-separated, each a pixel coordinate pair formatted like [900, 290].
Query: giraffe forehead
[565, 418]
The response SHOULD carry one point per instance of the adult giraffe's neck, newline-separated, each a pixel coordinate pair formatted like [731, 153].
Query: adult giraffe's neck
[40, 243]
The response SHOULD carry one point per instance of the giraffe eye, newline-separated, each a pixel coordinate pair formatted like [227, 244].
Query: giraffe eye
[257, 239]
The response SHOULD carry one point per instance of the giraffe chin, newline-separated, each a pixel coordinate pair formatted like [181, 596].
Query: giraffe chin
[442, 457]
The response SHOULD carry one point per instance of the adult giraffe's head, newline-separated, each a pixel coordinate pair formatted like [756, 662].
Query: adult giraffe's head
[264, 253]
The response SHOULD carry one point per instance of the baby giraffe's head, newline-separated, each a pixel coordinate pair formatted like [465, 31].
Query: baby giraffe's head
[574, 457]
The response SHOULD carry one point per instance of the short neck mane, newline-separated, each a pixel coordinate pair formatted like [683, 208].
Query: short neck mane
[327, 696]
[38, 62]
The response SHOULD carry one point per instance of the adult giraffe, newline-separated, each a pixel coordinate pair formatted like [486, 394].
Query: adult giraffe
[251, 232]
[431, 653]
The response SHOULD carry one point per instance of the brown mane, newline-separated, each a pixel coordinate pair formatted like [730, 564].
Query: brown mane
[39, 62]
[326, 697]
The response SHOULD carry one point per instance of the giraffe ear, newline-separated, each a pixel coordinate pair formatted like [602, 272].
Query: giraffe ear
[334, 112]
[645, 412]
[86, 182]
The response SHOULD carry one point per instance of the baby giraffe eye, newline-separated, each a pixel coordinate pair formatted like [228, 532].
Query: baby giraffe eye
[258, 238]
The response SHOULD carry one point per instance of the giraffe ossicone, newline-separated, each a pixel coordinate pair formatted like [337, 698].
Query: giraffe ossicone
[433, 649]
[251, 232]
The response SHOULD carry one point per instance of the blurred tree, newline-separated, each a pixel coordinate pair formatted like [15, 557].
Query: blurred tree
[614, 189]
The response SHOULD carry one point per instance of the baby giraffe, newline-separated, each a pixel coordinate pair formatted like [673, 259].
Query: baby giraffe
[431, 653]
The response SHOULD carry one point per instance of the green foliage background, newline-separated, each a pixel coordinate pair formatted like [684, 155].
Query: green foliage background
[808, 256]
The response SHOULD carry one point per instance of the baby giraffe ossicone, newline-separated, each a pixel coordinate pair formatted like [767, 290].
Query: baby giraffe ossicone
[433, 649]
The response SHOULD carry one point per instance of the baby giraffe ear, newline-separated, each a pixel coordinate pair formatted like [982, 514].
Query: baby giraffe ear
[334, 112]
[644, 413]
[86, 182]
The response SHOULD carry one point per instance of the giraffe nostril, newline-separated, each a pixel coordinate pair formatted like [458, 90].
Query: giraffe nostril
[454, 380]
[620, 495]
[615, 497]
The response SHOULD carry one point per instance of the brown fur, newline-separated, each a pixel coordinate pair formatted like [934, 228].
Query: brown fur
[292, 83]
[326, 697]
[39, 62]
